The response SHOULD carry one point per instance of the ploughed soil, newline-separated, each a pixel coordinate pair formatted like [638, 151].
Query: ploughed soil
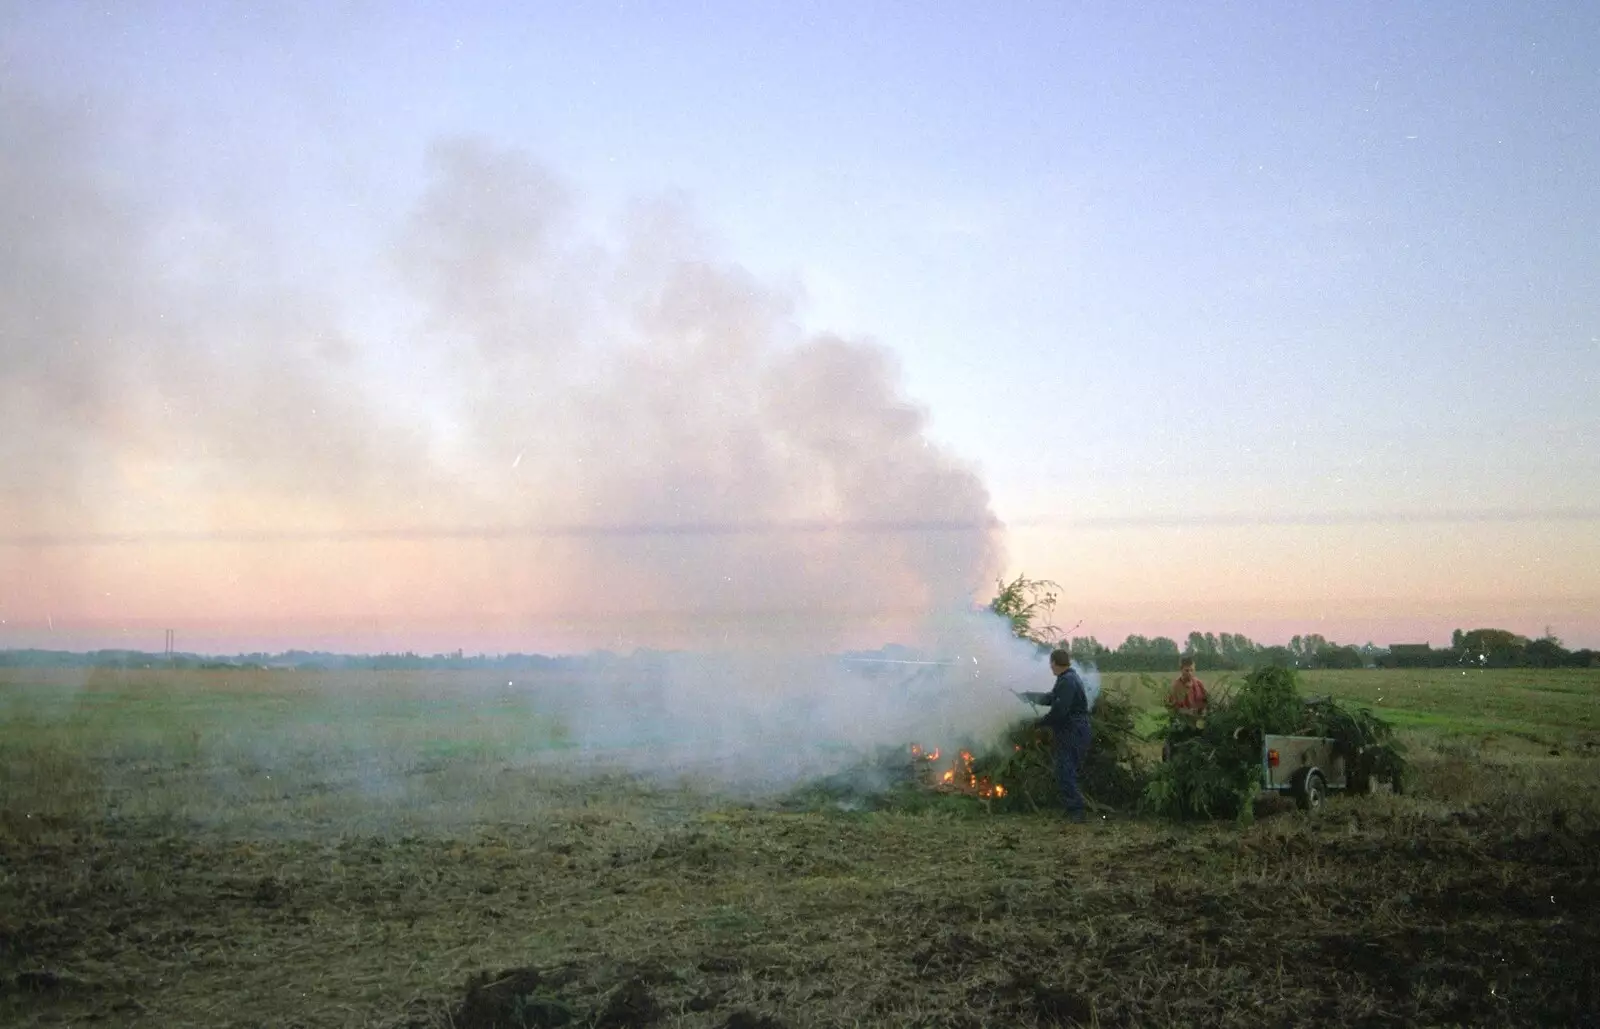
[1379, 912]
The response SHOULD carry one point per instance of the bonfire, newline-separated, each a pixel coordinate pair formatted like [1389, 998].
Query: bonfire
[957, 775]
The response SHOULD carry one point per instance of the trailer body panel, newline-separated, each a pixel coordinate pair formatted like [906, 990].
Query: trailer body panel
[1294, 753]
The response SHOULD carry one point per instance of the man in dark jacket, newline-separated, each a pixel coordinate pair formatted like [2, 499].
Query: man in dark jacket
[1068, 720]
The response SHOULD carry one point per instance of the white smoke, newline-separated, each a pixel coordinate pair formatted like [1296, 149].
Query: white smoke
[767, 719]
[693, 469]
[1091, 680]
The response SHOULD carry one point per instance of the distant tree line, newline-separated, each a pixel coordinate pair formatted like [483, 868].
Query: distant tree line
[1030, 605]
[1225, 651]
[1491, 648]
[1479, 648]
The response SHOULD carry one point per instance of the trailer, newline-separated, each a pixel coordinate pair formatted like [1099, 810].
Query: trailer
[1307, 768]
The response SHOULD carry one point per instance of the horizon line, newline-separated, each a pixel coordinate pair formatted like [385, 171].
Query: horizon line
[793, 527]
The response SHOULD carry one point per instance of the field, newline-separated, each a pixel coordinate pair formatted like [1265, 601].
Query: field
[274, 849]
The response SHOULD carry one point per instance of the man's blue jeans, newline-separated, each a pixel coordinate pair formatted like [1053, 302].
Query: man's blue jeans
[1071, 744]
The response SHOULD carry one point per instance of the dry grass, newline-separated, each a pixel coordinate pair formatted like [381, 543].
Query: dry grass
[164, 881]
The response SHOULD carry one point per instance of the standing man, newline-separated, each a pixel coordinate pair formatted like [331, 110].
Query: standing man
[1068, 720]
[1187, 698]
[1186, 705]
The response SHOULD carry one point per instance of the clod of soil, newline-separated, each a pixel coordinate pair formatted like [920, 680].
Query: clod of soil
[631, 1004]
[269, 892]
[45, 980]
[1061, 1007]
[704, 1001]
[948, 953]
[1050, 1004]
[750, 1020]
[514, 999]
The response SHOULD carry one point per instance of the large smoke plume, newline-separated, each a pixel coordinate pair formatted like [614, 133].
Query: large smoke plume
[618, 431]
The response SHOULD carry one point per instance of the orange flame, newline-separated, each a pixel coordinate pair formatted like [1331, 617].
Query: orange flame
[960, 776]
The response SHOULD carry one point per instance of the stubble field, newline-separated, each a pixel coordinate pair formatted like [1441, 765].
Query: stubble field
[235, 848]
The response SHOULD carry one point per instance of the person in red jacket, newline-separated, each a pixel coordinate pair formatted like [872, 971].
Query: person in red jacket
[1187, 702]
[1187, 698]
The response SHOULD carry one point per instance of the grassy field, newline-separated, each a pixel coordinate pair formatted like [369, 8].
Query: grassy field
[423, 850]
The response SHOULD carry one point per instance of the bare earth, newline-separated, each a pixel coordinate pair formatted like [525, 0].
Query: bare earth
[153, 878]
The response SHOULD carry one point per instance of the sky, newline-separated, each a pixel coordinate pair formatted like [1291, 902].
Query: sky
[548, 327]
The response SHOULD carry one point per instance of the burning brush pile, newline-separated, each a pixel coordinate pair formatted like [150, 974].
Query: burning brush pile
[1014, 773]
[1213, 768]
[957, 775]
[1021, 765]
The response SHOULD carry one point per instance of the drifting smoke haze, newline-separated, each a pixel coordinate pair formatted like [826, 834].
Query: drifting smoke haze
[158, 375]
[765, 720]
[604, 439]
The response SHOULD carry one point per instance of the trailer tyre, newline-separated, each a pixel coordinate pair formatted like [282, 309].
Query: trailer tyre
[1310, 789]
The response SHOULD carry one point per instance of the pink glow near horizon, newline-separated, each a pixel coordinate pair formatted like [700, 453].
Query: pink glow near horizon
[1274, 350]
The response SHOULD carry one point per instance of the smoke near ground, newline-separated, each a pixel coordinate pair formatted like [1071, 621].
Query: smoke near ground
[559, 435]
[758, 719]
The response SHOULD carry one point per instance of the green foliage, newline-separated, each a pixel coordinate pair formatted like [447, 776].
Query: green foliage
[1338, 657]
[1209, 775]
[1545, 652]
[1137, 653]
[1365, 741]
[1112, 775]
[1214, 768]
[1030, 606]
[1500, 646]
[1269, 701]
[1353, 729]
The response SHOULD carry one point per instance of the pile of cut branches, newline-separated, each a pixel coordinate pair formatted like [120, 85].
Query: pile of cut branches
[1365, 741]
[887, 779]
[1112, 775]
[1213, 768]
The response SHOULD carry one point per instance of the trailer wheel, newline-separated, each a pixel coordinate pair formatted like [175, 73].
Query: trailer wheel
[1310, 789]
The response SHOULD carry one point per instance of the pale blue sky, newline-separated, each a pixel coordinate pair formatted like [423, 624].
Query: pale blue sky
[1278, 260]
